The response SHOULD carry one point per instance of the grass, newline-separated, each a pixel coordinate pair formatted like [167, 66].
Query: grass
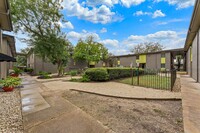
[149, 81]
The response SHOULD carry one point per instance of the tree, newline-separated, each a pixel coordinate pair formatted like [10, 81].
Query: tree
[39, 19]
[54, 48]
[36, 17]
[111, 60]
[90, 51]
[147, 47]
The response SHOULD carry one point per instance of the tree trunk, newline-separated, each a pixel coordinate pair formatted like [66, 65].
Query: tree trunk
[59, 69]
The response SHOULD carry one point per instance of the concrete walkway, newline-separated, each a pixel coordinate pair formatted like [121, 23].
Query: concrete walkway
[191, 104]
[114, 89]
[58, 115]
[32, 101]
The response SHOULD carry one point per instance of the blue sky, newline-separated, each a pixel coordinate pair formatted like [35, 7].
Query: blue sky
[121, 24]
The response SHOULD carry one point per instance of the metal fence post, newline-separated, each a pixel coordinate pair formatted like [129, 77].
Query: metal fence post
[138, 73]
[171, 80]
[132, 75]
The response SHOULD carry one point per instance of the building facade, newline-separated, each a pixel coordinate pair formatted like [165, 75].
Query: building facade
[7, 43]
[161, 60]
[37, 64]
[7, 48]
[192, 46]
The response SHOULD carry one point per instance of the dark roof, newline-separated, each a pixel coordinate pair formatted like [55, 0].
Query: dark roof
[194, 25]
[6, 58]
[163, 51]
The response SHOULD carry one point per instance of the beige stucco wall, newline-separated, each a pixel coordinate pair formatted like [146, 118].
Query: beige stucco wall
[4, 65]
[30, 60]
[193, 66]
[35, 62]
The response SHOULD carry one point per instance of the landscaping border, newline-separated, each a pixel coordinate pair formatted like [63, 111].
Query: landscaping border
[134, 98]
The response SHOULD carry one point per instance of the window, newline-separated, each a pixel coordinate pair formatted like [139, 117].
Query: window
[137, 57]
[162, 55]
[162, 65]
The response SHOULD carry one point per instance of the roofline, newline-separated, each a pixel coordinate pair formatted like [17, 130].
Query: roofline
[21, 54]
[8, 6]
[197, 3]
[13, 51]
[169, 50]
[8, 15]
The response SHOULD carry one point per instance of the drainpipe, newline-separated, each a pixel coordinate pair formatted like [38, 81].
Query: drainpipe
[198, 56]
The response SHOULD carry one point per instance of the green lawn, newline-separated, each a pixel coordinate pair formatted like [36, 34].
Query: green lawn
[150, 81]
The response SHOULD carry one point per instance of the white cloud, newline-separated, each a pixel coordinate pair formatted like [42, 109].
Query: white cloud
[67, 25]
[110, 42]
[109, 3]
[170, 39]
[114, 33]
[84, 31]
[140, 20]
[75, 36]
[169, 21]
[129, 3]
[141, 13]
[120, 51]
[179, 3]
[158, 13]
[101, 14]
[103, 30]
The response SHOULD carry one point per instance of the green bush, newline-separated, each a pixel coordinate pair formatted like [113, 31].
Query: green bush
[17, 70]
[44, 75]
[116, 73]
[10, 82]
[97, 74]
[85, 78]
[73, 73]
[103, 74]
[30, 70]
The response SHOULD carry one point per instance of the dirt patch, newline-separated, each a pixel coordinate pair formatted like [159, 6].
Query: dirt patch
[128, 116]
[177, 85]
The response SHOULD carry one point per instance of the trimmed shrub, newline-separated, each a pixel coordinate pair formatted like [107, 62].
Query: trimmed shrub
[97, 74]
[85, 78]
[73, 73]
[44, 75]
[111, 73]
[30, 70]
[116, 73]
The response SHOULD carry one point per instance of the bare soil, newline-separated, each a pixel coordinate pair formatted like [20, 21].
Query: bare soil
[131, 116]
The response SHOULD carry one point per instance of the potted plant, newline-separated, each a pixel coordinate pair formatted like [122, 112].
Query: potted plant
[16, 72]
[9, 83]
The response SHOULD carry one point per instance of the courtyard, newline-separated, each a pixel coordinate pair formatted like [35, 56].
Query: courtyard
[121, 108]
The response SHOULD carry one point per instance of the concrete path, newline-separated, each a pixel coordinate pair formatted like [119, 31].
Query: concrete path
[60, 116]
[114, 89]
[191, 104]
[32, 101]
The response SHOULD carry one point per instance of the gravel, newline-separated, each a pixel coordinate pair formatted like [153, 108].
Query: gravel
[10, 112]
[128, 116]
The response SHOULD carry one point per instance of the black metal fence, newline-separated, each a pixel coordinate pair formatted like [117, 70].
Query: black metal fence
[158, 79]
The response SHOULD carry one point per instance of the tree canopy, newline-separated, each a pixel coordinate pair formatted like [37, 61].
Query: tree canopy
[147, 47]
[39, 19]
[90, 51]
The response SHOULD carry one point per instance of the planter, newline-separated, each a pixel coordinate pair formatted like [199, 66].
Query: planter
[7, 89]
[14, 75]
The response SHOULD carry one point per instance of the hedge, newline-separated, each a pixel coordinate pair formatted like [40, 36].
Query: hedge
[97, 74]
[103, 74]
